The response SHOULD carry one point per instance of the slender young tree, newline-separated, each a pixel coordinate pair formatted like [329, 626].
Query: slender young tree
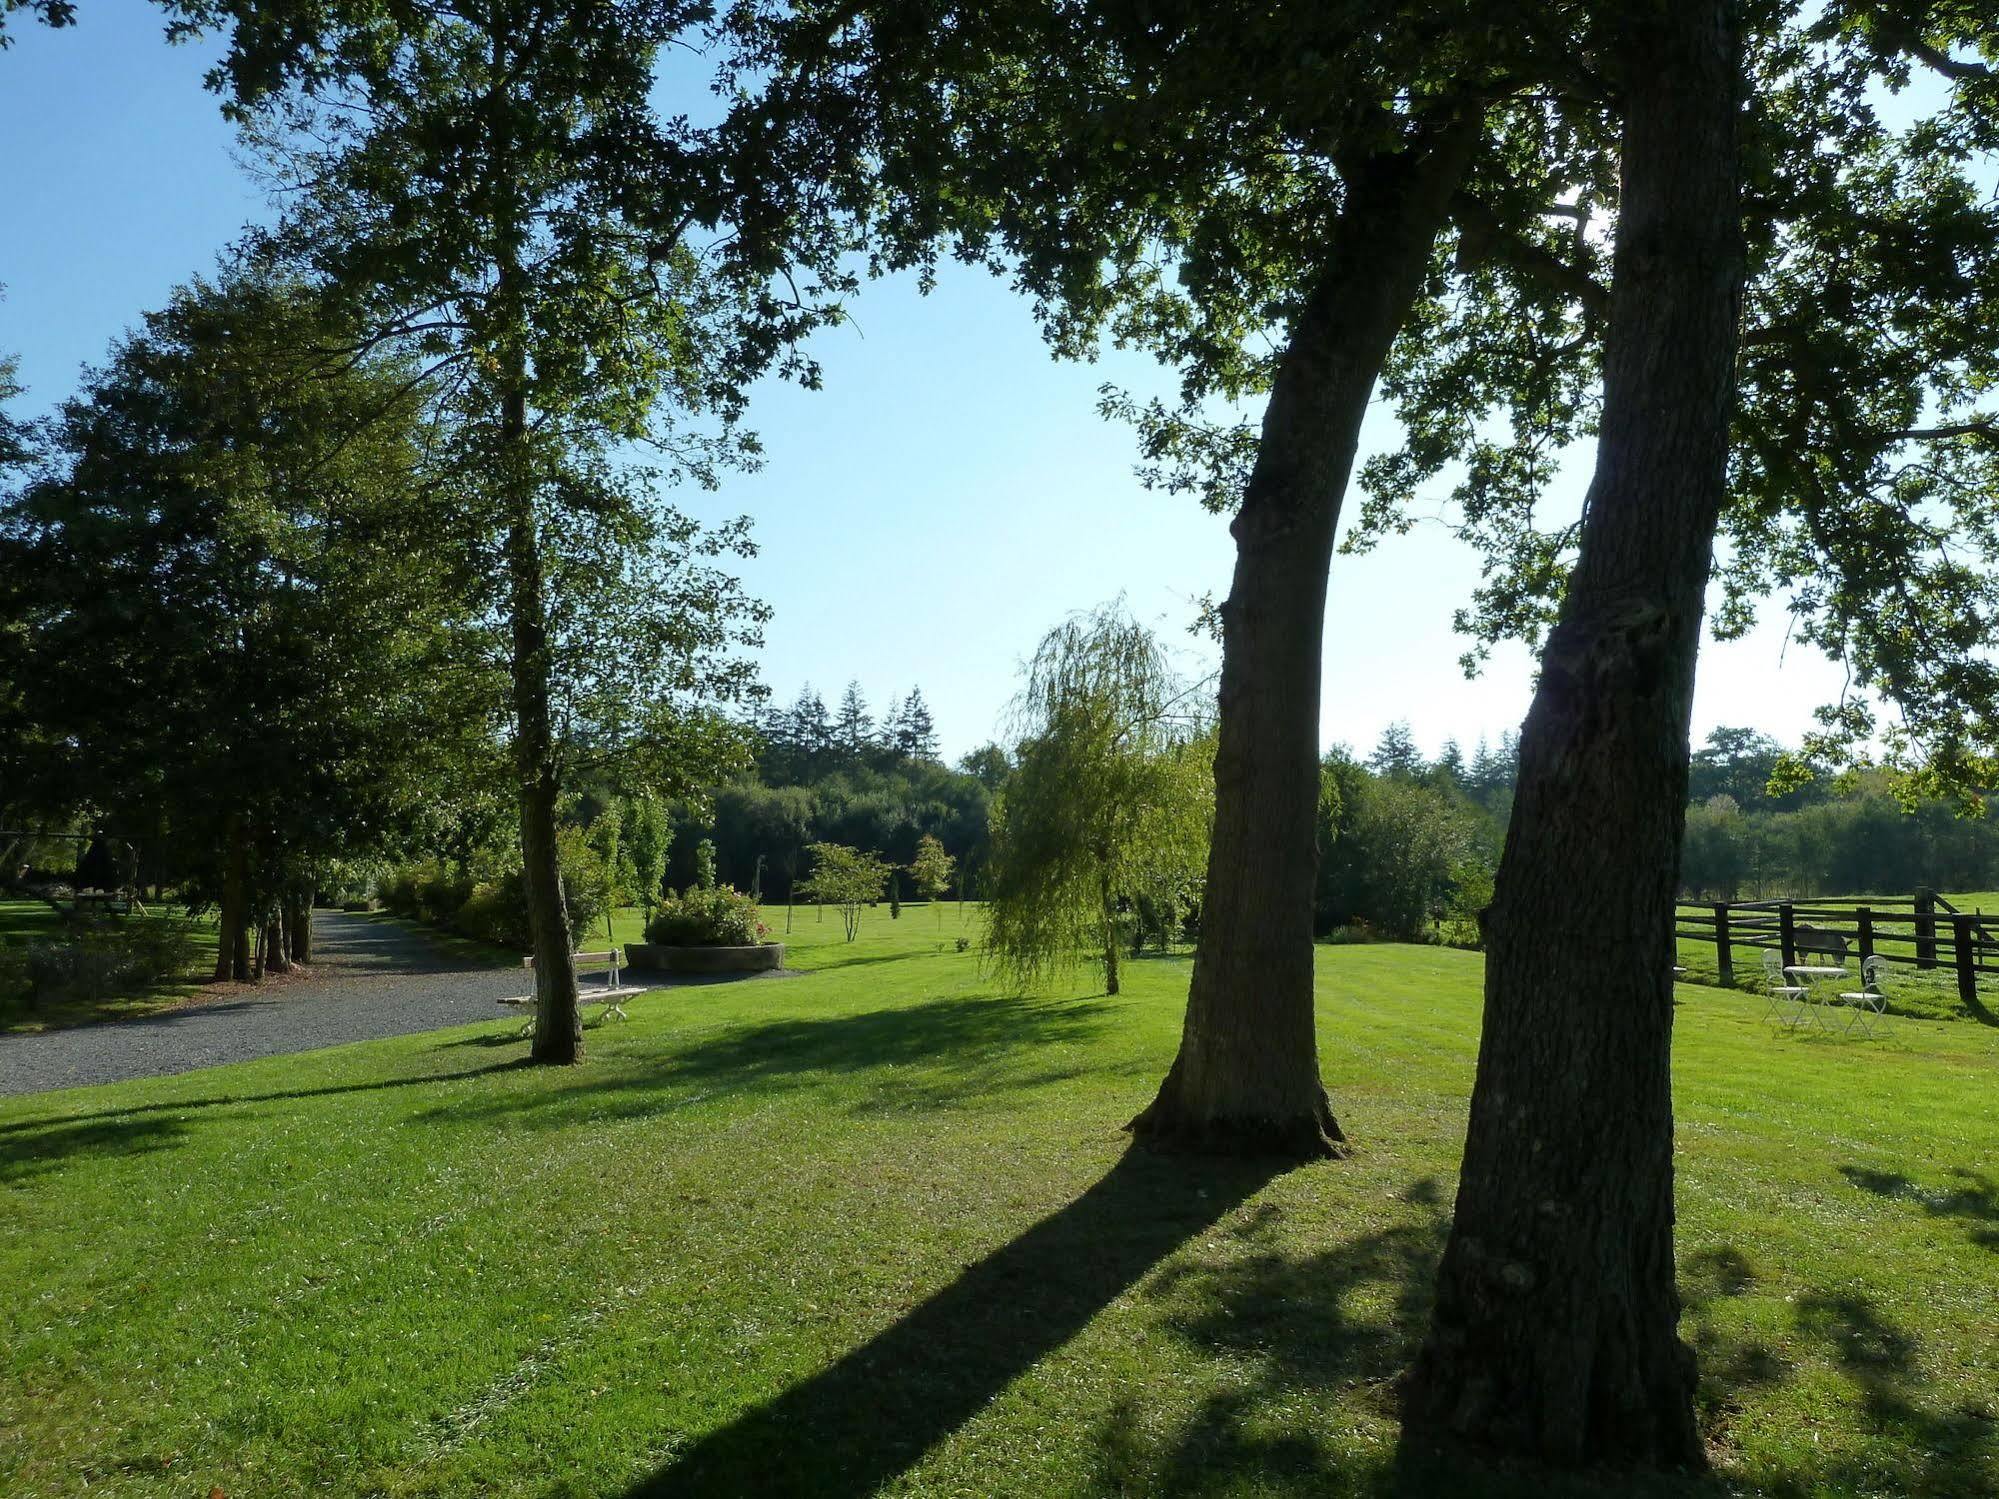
[847, 878]
[493, 188]
[1556, 1326]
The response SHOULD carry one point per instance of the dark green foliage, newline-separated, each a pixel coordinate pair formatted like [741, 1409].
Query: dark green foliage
[1400, 857]
[860, 805]
[93, 961]
[1396, 753]
[1855, 838]
[487, 901]
[233, 626]
[1865, 442]
[707, 916]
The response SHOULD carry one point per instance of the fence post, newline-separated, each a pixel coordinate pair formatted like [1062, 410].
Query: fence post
[1926, 929]
[1787, 934]
[1866, 933]
[1967, 957]
[1724, 956]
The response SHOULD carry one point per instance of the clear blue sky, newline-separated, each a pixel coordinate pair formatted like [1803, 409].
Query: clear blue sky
[949, 496]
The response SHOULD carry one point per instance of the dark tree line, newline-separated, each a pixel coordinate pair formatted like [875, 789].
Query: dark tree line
[849, 778]
[806, 741]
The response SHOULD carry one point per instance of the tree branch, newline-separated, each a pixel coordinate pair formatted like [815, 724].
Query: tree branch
[1944, 63]
[1483, 238]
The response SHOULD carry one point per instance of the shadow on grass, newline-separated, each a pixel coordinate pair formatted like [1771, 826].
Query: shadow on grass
[1974, 1199]
[34, 1147]
[1294, 1331]
[863, 1420]
[861, 960]
[1912, 1445]
[1926, 1450]
[941, 1053]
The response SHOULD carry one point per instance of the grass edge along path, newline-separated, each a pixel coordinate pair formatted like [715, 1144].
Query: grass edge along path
[875, 1228]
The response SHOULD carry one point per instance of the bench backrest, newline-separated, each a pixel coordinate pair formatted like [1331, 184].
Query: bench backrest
[609, 959]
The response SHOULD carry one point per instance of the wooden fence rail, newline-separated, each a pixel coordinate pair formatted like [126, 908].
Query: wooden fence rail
[1831, 924]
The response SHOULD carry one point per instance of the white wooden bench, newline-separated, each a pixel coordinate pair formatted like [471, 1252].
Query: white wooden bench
[610, 995]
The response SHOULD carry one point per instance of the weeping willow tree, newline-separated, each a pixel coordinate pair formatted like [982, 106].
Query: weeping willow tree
[1110, 803]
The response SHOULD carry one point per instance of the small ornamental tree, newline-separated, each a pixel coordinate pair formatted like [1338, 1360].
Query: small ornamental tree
[1110, 800]
[847, 878]
[931, 870]
[648, 837]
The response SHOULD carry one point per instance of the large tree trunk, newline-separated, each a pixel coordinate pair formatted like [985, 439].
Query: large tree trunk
[1246, 1079]
[277, 949]
[1556, 1326]
[298, 927]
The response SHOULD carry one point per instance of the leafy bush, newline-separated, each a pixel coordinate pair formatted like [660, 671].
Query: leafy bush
[488, 902]
[697, 917]
[1470, 894]
[94, 962]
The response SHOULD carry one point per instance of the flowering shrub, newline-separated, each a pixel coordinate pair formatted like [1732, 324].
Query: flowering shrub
[719, 917]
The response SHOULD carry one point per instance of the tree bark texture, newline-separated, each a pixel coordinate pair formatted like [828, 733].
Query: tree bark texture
[558, 1025]
[1555, 1332]
[232, 958]
[1110, 940]
[298, 927]
[277, 949]
[1246, 1079]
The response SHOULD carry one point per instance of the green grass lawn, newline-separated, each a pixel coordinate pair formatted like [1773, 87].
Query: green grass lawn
[27, 920]
[874, 1228]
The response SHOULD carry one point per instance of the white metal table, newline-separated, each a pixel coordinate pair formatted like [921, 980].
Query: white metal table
[1805, 975]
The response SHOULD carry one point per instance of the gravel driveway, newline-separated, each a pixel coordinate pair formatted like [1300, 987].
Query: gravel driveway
[370, 978]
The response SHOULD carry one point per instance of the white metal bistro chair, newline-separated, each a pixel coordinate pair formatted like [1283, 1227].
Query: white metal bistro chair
[1867, 1006]
[1787, 1000]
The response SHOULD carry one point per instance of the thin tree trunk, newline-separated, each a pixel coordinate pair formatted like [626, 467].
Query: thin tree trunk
[231, 961]
[1110, 941]
[1556, 1325]
[1246, 1080]
[277, 948]
[558, 1026]
[298, 927]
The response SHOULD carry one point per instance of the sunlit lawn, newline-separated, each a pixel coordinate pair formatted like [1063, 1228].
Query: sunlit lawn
[874, 1228]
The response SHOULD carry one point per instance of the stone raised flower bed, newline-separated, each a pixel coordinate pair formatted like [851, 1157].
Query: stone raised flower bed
[706, 929]
[658, 957]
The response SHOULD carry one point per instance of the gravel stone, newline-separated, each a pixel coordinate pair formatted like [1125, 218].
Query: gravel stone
[370, 978]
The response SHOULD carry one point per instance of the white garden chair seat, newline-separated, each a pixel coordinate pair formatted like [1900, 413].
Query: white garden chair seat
[1787, 1000]
[1867, 1006]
